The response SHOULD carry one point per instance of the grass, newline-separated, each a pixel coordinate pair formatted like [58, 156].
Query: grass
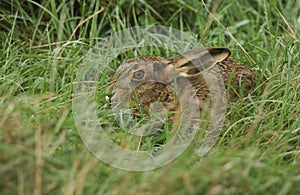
[42, 45]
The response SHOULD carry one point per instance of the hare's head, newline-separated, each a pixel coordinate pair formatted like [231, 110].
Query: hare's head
[151, 77]
[148, 76]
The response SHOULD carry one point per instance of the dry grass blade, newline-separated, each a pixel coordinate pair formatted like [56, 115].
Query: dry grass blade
[290, 30]
[229, 33]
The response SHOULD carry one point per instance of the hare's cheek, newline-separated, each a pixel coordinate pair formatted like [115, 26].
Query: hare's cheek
[137, 83]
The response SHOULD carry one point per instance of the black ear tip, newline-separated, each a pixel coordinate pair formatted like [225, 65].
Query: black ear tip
[227, 50]
[219, 50]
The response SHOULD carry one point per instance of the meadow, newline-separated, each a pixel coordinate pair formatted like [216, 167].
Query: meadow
[43, 43]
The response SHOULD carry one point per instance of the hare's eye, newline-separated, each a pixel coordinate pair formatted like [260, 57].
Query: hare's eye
[139, 74]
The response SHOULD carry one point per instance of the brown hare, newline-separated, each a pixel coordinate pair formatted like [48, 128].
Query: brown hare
[140, 81]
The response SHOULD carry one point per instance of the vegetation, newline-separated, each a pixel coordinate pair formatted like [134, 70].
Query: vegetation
[44, 42]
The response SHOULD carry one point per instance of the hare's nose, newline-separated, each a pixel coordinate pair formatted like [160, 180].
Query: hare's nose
[109, 97]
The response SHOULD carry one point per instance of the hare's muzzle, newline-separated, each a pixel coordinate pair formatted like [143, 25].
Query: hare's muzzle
[113, 99]
[110, 96]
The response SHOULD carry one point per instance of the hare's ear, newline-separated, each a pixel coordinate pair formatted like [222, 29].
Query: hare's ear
[199, 59]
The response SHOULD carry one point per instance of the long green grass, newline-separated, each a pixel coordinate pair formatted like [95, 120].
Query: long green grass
[44, 42]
